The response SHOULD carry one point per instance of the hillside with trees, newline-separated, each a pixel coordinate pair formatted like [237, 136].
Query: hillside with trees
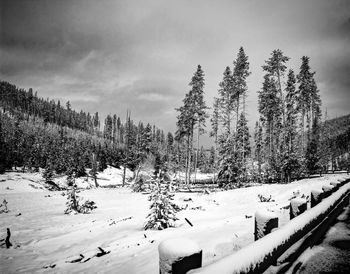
[37, 133]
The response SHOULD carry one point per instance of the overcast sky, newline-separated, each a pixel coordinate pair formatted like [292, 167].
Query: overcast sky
[109, 56]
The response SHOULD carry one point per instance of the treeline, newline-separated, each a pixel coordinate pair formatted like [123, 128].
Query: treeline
[290, 138]
[37, 133]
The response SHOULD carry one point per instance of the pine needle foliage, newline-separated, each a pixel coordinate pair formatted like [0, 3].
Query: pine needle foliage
[73, 206]
[163, 209]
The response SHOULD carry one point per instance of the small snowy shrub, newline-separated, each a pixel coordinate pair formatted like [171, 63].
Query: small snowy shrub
[264, 199]
[163, 210]
[3, 207]
[139, 185]
[73, 204]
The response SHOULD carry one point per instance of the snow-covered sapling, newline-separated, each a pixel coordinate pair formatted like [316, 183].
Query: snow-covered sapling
[163, 210]
[264, 199]
[73, 204]
[139, 185]
[4, 205]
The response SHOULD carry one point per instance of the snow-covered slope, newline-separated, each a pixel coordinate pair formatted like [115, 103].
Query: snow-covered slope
[44, 237]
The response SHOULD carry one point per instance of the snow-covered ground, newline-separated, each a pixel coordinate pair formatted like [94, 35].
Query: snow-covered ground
[199, 176]
[44, 237]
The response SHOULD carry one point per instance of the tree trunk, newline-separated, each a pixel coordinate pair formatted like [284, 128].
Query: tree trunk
[237, 112]
[124, 173]
[188, 168]
[196, 160]
[94, 169]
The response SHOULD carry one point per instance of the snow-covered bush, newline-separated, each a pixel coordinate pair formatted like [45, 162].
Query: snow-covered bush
[139, 185]
[163, 210]
[3, 207]
[264, 199]
[73, 205]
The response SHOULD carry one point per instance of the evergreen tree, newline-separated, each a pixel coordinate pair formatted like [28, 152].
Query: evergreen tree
[240, 74]
[227, 160]
[115, 129]
[291, 157]
[108, 128]
[269, 106]
[228, 166]
[163, 210]
[275, 68]
[311, 156]
[96, 122]
[48, 172]
[4, 164]
[243, 146]
[272, 109]
[146, 139]
[214, 132]
[226, 100]
[191, 114]
[309, 104]
[305, 90]
[169, 149]
[258, 139]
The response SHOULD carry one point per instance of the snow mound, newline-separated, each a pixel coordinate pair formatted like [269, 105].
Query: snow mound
[114, 175]
[172, 250]
[264, 214]
[110, 177]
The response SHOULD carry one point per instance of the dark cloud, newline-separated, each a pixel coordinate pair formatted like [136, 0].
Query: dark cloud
[140, 55]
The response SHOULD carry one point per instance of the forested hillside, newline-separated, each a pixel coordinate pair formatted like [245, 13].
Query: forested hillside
[37, 133]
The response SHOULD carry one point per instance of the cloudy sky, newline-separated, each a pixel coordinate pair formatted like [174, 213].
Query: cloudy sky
[109, 56]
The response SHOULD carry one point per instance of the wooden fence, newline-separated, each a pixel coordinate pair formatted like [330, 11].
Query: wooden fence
[272, 245]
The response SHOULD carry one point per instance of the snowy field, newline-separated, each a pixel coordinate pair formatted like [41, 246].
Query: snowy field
[46, 240]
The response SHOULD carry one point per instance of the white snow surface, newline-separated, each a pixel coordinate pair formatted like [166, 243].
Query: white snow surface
[46, 240]
[265, 215]
[178, 247]
[199, 176]
[327, 188]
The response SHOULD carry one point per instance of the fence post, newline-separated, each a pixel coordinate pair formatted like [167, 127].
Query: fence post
[342, 181]
[328, 189]
[179, 255]
[265, 222]
[297, 206]
[335, 184]
[316, 197]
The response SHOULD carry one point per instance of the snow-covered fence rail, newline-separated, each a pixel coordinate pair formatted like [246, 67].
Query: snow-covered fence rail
[258, 256]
